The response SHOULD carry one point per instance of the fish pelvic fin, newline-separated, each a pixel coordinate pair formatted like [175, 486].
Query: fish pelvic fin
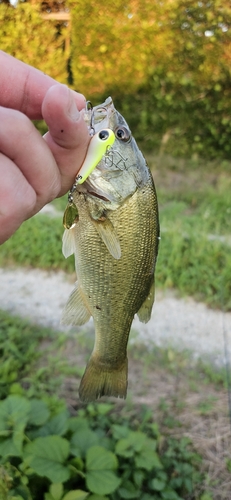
[99, 381]
[75, 311]
[145, 311]
[68, 247]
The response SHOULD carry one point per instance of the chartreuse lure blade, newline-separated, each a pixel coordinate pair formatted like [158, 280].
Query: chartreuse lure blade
[99, 145]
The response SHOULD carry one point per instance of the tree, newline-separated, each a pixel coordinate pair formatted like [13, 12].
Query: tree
[167, 62]
[123, 44]
[25, 35]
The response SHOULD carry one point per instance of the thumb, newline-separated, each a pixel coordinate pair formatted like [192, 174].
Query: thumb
[68, 135]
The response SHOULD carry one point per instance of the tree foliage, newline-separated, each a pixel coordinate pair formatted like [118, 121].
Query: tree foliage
[117, 46]
[25, 35]
[166, 62]
[123, 45]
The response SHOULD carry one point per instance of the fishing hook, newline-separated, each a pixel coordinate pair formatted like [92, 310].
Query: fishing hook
[89, 108]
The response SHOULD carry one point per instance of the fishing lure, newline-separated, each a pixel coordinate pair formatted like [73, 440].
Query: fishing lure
[99, 145]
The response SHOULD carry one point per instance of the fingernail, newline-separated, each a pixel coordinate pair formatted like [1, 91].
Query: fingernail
[72, 110]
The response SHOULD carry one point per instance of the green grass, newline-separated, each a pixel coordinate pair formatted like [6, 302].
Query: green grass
[37, 243]
[26, 367]
[195, 247]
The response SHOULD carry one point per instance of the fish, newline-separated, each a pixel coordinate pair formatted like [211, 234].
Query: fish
[114, 236]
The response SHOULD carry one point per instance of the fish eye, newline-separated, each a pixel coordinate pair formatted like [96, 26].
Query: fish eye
[103, 135]
[123, 134]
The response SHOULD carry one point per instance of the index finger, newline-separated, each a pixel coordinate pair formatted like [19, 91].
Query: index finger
[23, 87]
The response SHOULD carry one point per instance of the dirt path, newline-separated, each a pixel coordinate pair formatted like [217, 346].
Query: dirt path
[181, 323]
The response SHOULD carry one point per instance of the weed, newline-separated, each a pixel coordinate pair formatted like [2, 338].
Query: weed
[37, 243]
[21, 370]
[102, 449]
[205, 406]
[96, 452]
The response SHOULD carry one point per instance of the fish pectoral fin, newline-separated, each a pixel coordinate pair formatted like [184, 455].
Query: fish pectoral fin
[100, 381]
[75, 311]
[145, 311]
[68, 247]
[107, 233]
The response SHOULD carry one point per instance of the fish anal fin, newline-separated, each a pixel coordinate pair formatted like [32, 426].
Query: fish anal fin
[108, 234]
[145, 311]
[75, 311]
[99, 381]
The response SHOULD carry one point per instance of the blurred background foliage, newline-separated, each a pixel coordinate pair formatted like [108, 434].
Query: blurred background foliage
[168, 63]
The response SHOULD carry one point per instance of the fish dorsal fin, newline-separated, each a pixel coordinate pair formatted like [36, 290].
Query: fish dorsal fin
[68, 247]
[145, 311]
[107, 232]
[75, 311]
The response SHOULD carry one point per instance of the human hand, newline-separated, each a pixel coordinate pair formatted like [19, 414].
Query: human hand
[35, 170]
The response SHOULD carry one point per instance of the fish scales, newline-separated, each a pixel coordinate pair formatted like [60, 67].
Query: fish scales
[113, 289]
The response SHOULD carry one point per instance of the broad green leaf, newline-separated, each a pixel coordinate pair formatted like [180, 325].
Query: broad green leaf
[134, 442]
[18, 437]
[16, 388]
[100, 459]
[100, 477]
[155, 429]
[97, 497]
[120, 431]
[13, 445]
[137, 440]
[148, 460]
[124, 449]
[14, 411]
[76, 495]
[77, 424]
[138, 477]
[21, 492]
[78, 463]
[47, 457]
[39, 412]
[102, 482]
[58, 425]
[82, 440]
[170, 495]
[56, 491]
[9, 448]
[129, 490]
[157, 484]
[104, 408]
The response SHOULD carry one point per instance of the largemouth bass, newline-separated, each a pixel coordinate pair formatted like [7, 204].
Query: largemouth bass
[114, 238]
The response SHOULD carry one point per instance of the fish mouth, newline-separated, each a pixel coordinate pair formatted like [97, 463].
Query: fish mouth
[99, 117]
[96, 195]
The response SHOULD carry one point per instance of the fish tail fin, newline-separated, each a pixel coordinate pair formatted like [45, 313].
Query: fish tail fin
[99, 381]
